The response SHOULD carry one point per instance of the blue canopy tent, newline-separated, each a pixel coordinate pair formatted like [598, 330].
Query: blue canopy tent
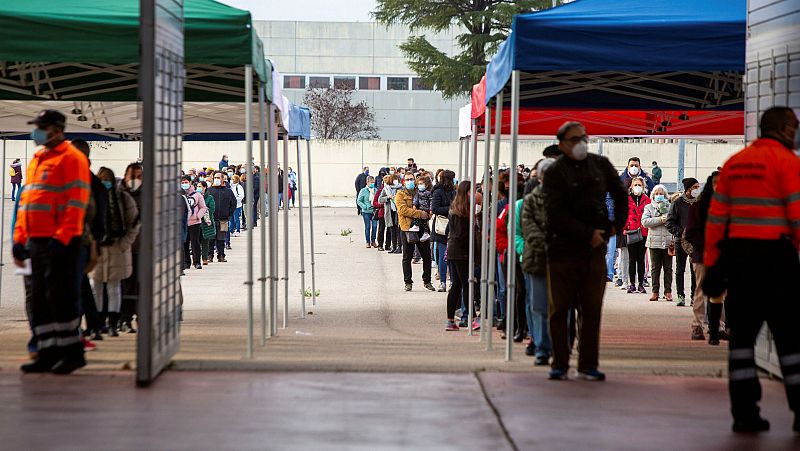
[640, 55]
[610, 55]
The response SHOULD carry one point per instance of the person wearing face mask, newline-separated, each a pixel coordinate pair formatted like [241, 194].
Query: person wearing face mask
[223, 163]
[368, 212]
[578, 227]
[406, 213]
[235, 226]
[114, 263]
[49, 231]
[637, 201]
[361, 182]
[386, 197]
[132, 184]
[752, 235]
[657, 173]
[442, 197]
[207, 229]
[634, 169]
[659, 241]
[292, 185]
[225, 203]
[677, 218]
[197, 211]
[422, 201]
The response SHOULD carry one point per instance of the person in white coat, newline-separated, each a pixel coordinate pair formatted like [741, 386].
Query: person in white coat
[235, 226]
[659, 241]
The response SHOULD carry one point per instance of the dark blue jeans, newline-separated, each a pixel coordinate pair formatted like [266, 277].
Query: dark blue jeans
[536, 300]
[370, 227]
[441, 249]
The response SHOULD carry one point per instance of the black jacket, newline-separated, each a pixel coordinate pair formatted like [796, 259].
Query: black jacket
[575, 202]
[225, 202]
[100, 198]
[256, 186]
[458, 239]
[678, 217]
[361, 182]
[440, 205]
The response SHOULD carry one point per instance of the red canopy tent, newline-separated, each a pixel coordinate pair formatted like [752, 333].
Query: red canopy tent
[545, 122]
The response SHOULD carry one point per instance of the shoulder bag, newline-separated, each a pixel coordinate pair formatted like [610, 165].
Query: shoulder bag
[634, 236]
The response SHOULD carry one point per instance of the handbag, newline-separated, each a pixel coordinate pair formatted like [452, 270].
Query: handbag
[223, 226]
[412, 237]
[671, 248]
[440, 224]
[634, 237]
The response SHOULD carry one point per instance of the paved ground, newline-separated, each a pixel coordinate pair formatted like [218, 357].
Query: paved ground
[365, 322]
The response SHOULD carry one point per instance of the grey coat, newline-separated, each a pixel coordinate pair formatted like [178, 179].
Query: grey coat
[658, 236]
[115, 262]
[386, 198]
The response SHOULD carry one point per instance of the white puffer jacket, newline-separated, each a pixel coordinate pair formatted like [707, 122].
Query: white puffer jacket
[658, 236]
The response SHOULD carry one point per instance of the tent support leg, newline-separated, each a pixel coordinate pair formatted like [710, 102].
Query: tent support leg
[492, 283]
[3, 219]
[486, 323]
[681, 161]
[460, 159]
[285, 234]
[262, 123]
[302, 238]
[272, 208]
[511, 287]
[311, 226]
[473, 169]
[248, 127]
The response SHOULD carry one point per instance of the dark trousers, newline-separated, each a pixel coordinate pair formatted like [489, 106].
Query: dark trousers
[55, 294]
[393, 237]
[206, 249]
[192, 244]
[579, 283]
[661, 260]
[460, 288]
[130, 292]
[680, 269]
[94, 321]
[424, 250]
[381, 231]
[748, 305]
[636, 262]
[255, 213]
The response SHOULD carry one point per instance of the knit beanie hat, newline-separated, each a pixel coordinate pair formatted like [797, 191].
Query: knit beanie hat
[689, 182]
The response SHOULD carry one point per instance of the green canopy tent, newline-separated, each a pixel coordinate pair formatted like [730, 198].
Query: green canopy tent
[70, 54]
[89, 50]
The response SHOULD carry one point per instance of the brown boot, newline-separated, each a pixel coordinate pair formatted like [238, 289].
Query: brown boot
[654, 297]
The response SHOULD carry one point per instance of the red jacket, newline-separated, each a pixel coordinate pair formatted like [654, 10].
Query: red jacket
[379, 207]
[757, 197]
[635, 213]
[502, 231]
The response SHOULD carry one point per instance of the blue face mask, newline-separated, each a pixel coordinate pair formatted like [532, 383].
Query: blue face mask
[409, 184]
[39, 136]
[660, 198]
[107, 184]
[371, 185]
[200, 189]
[185, 186]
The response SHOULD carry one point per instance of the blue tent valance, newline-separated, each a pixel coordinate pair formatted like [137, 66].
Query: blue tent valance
[691, 46]
[299, 122]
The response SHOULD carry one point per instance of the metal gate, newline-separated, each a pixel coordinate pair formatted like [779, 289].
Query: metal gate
[161, 80]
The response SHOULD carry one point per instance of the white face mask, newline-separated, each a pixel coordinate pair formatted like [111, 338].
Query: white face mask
[421, 187]
[696, 193]
[217, 182]
[580, 151]
[134, 184]
[637, 190]
[634, 170]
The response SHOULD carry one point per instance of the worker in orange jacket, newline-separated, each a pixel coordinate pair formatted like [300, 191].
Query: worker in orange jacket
[752, 237]
[48, 231]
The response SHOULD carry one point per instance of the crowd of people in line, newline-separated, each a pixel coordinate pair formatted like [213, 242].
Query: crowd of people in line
[582, 227]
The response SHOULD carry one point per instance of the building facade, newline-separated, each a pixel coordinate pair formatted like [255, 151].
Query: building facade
[364, 56]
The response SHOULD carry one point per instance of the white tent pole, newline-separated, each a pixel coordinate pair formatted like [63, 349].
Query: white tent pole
[492, 283]
[460, 159]
[285, 231]
[262, 122]
[3, 219]
[511, 262]
[302, 238]
[311, 226]
[272, 208]
[472, 168]
[486, 323]
[248, 127]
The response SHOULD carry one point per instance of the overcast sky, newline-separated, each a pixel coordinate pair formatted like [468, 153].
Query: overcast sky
[308, 10]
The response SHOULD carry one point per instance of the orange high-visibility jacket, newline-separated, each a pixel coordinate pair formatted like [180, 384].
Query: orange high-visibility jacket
[757, 197]
[53, 203]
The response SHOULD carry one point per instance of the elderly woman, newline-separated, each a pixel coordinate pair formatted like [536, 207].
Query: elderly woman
[637, 201]
[386, 197]
[659, 241]
[364, 202]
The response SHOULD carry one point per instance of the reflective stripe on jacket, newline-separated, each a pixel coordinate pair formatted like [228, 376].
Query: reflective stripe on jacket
[54, 202]
[757, 197]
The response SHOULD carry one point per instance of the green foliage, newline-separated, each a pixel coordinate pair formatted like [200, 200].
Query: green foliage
[484, 25]
[346, 232]
[307, 293]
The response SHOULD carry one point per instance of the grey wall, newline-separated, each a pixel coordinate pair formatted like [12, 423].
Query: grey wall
[340, 48]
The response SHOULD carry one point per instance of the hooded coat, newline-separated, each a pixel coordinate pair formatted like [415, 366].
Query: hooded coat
[115, 262]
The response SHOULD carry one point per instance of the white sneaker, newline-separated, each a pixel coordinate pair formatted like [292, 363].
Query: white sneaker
[414, 228]
[425, 237]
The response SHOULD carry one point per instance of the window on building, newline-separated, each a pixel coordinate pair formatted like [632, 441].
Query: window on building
[369, 83]
[319, 82]
[344, 82]
[397, 83]
[417, 84]
[294, 82]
